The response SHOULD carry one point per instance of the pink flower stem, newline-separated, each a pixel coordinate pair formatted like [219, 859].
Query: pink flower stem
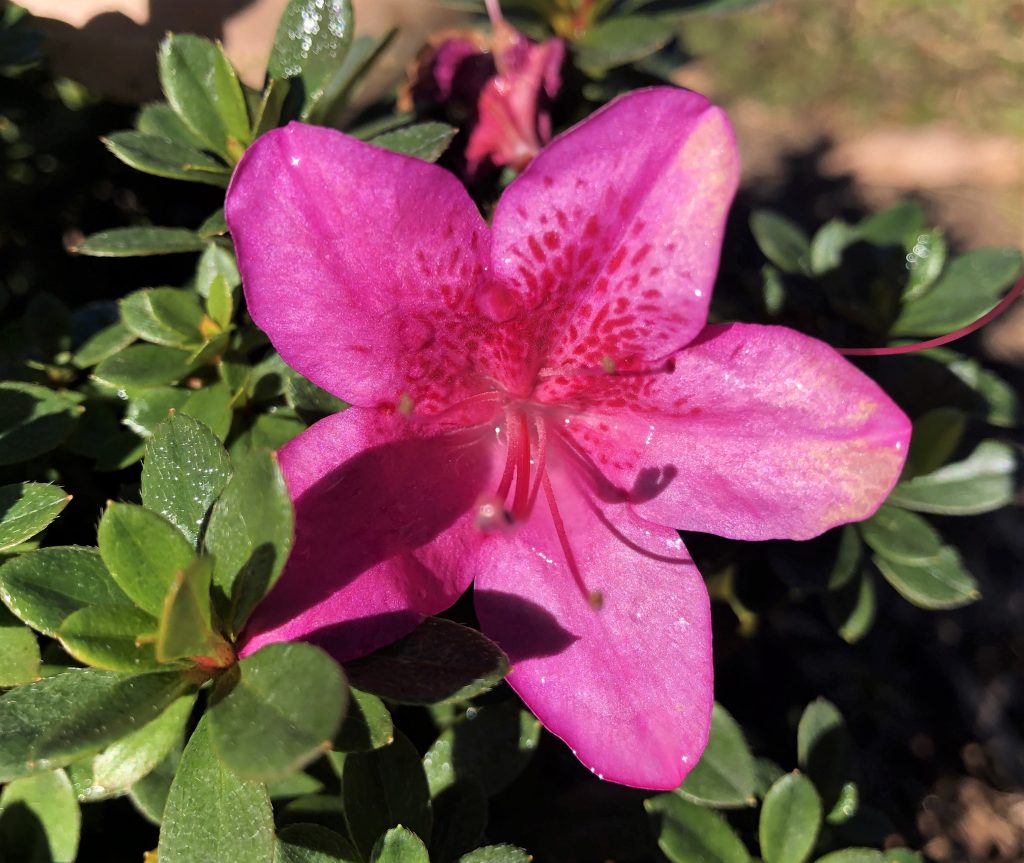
[1004, 304]
[494, 12]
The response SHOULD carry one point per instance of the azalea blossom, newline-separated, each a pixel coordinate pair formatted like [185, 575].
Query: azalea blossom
[500, 88]
[538, 404]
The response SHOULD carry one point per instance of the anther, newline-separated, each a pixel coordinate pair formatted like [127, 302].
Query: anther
[490, 515]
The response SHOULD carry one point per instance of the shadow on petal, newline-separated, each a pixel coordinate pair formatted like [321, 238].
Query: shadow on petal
[547, 636]
[355, 638]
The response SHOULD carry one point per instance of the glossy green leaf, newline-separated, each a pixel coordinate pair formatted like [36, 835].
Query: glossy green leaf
[159, 119]
[312, 843]
[367, 724]
[202, 88]
[828, 244]
[26, 508]
[39, 820]
[164, 157]
[249, 535]
[19, 651]
[214, 262]
[439, 661]
[359, 59]
[399, 845]
[620, 40]
[122, 764]
[767, 773]
[184, 472]
[211, 814]
[309, 400]
[319, 808]
[984, 481]
[277, 710]
[312, 39]
[33, 420]
[935, 438]
[688, 833]
[143, 552]
[185, 629]
[107, 342]
[425, 141]
[43, 587]
[164, 316]
[893, 226]
[149, 794]
[460, 820]
[790, 820]
[59, 719]
[783, 242]
[100, 436]
[853, 855]
[148, 408]
[941, 582]
[111, 637]
[497, 854]
[269, 431]
[999, 402]
[382, 789]
[971, 285]
[925, 260]
[851, 608]
[901, 536]
[848, 557]
[724, 776]
[213, 226]
[144, 366]
[902, 855]
[211, 405]
[491, 744]
[220, 302]
[846, 806]
[135, 242]
[823, 749]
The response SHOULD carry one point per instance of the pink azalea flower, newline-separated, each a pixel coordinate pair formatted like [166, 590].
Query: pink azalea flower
[538, 405]
[501, 89]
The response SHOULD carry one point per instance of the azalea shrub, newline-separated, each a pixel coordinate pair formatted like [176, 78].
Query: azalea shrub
[489, 483]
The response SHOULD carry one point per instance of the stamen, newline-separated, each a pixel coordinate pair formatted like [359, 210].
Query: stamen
[519, 504]
[512, 432]
[542, 455]
[607, 369]
[594, 598]
[406, 406]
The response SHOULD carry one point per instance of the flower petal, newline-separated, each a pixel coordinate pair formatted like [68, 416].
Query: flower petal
[758, 433]
[629, 686]
[360, 264]
[383, 524]
[612, 234]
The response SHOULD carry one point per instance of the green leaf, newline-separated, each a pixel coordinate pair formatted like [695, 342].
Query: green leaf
[310, 44]
[491, 744]
[984, 481]
[159, 119]
[782, 242]
[846, 805]
[186, 630]
[202, 88]
[823, 749]
[211, 405]
[309, 400]
[271, 107]
[938, 583]
[848, 557]
[118, 767]
[164, 157]
[367, 724]
[213, 226]
[40, 820]
[790, 820]
[901, 536]
[164, 316]
[312, 843]
[620, 40]
[902, 855]
[33, 420]
[399, 845]
[277, 710]
[439, 661]
[935, 438]
[107, 342]
[249, 535]
[968, 288]
[360, 57]
[851, 608]
[425, 141]
[220, 304]
[148, 408]
[688, 833]
[925, 260]
[496, 854]
[215, 262]
[213, 815]
[44, 587]
[59, 719]
[460, 820]
[724, 776]
[184, 472]
[134, 242]
[826, 249]
[894, 226]
[108, 636]
[768, 773]
[382, 789]
[144, 366]
[149, 794]
[26, 508]
[853, 855]
[19, 651]
[143, 552]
